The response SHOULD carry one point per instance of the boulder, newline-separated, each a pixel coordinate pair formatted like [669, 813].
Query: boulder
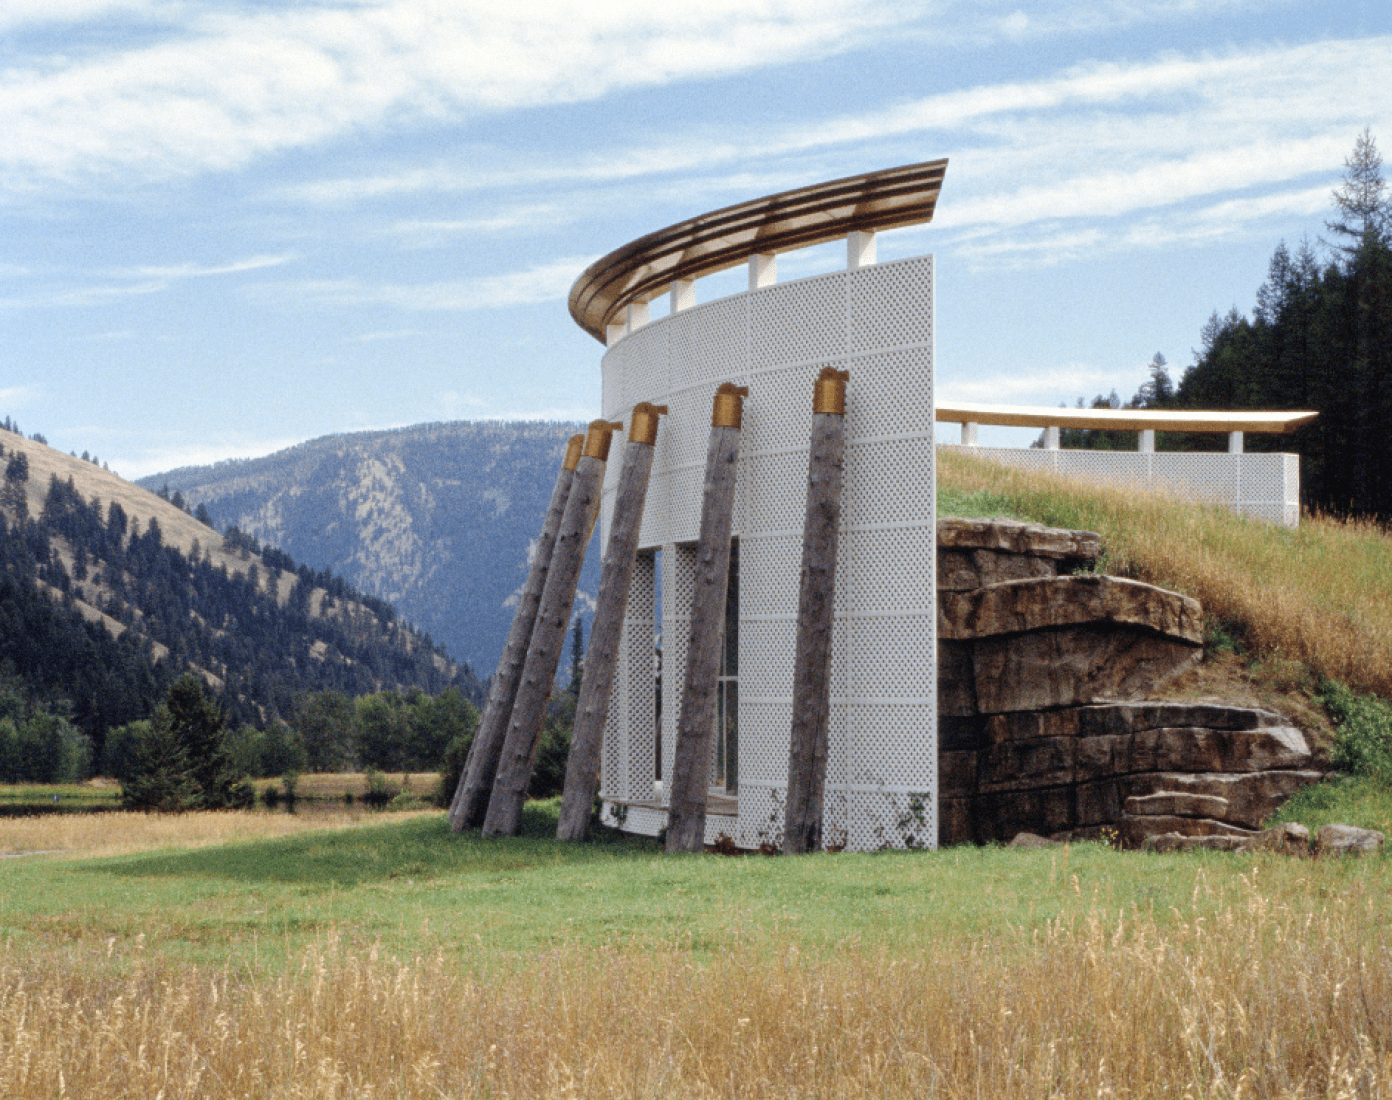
[1032, 840]
[1043, 727]
[1078, 548]
[1289, 838]
[1115, 718]
[1199, 749]
[1346, 840]
[1135, 830]
[1176, 804]
[1072, 666]
[1014, 607]
[1251, 797]
[1177, 842]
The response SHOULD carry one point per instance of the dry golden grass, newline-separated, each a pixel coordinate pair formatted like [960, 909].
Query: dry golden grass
[1321, 595]
[1238, 996]
[326, 785]
[120, 833]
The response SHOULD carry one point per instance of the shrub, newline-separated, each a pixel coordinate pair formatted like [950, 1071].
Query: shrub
[379, 791]
[452, 767]
[1363, 732]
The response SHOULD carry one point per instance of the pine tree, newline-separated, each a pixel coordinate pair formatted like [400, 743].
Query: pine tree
[1362, 200]
[184, 762]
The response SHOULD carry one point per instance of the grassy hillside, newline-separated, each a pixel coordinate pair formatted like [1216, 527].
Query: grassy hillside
[108, 592]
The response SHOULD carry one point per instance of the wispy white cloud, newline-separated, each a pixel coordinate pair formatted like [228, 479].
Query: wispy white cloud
[1043, 244]
[540, 283]
[1184, 148]
[204, 271]
[226, 88]
[48, 13]
[173, 452]
[132, 282]
[379, 337]
[82, 296]
[1041, 385]
[15, 397]
[514, 220]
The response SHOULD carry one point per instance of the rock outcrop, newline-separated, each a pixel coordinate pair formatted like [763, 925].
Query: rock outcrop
[1040, 724]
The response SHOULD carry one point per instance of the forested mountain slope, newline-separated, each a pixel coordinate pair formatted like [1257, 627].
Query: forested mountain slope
[108, 592]
[437, 518]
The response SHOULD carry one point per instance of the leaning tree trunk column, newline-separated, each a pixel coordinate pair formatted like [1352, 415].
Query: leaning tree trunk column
[592, 708]
[476, 781]
[686, 815]
[807, 748]
[548, 636]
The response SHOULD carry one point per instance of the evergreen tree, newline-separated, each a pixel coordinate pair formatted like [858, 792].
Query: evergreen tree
[184, 762]
[1363, 204]
[161, 777]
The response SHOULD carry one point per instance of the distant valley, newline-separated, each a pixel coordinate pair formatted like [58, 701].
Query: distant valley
[437, 519]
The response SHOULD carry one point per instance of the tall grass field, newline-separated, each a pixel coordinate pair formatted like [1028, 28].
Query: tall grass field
[270, 955]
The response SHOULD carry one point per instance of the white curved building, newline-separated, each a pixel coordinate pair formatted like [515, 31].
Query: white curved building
[875, 321]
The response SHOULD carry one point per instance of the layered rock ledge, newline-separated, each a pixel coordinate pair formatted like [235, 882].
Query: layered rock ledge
[1042, 721]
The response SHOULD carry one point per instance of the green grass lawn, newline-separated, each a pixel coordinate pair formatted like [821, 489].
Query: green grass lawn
[413, 887]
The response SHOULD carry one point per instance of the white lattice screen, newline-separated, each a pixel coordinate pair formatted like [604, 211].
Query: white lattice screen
[877, 323]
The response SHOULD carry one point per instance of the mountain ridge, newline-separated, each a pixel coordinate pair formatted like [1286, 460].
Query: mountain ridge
[108, 592]
[437, 518]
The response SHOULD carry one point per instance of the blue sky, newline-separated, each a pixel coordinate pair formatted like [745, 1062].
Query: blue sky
[229, 227]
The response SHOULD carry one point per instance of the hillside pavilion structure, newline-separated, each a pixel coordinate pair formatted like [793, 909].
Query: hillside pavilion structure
[876, 322]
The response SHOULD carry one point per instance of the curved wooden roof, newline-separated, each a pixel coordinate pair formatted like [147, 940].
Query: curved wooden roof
[645, 268]
[1138, 420]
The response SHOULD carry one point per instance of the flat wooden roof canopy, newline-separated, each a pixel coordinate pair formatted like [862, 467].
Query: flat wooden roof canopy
[1137, 420]
[642, 270]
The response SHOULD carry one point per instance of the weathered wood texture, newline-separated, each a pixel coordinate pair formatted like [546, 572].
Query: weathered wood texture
[807, 750]
[544, 654]
[592, 709]
[470, 801]
[686, 816]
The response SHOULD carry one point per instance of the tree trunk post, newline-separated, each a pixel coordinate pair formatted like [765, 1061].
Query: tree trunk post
[548, 637]
[807, 744]
[592, 708]
[476, 780]
[686, 814]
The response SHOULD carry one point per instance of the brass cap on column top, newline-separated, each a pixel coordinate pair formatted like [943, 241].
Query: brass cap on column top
[573, 449]
[829, 392]
[598, 437]
[728, 410]
[642, 424]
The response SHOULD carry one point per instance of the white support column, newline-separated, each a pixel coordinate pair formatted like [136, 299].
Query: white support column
[1234, 443]
[860, 249]
[1148, 441]
[968, 434]
[614, 333]
[1051, 438]
[683, 294]
[638, 314]
[763, 270]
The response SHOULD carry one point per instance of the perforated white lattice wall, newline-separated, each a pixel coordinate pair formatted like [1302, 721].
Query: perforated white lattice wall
[877, 323]
[1265, 486]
